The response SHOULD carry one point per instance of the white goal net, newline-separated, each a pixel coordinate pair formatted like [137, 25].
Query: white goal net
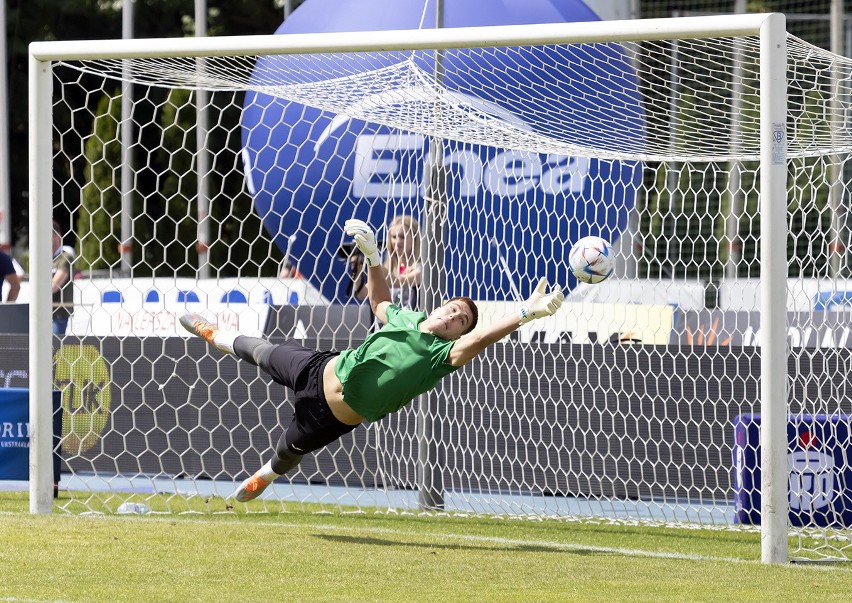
[220, 184]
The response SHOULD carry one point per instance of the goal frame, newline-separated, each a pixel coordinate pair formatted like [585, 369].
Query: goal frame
[771, 29]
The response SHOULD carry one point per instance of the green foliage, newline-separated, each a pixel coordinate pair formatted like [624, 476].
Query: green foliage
[684, 219]
[239, 242]
[679, 232]
[99, 217]
[35, 20]
[166, 223]
[652, 214]
[810, 218]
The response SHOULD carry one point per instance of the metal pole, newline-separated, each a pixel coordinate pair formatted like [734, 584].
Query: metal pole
[201, 131]
[41, 257]
[5, 195]
[735, 197]
[635, 9]
[672, 171]
[429, 468]
[625, 246]
[774, 474]
[536, 34]
[125, 247]
[837, 245]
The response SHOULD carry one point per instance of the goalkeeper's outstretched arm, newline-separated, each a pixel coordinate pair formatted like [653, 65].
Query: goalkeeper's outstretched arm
[540, 304]
[378, 290]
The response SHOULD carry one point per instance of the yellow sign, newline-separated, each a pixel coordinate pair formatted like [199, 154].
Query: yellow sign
[82, 375]
[591, 323]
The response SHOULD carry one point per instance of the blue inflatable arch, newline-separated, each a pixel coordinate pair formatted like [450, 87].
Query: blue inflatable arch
[309, 170]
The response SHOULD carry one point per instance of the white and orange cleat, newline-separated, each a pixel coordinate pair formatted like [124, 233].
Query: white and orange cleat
[251, 488]
[200, 326]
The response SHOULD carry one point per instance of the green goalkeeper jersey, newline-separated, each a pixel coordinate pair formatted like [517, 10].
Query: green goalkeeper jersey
[393, 365]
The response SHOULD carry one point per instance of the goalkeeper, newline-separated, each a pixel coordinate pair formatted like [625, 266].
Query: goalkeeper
[335, 392]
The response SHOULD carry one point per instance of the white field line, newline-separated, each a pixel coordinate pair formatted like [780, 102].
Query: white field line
[563, 546]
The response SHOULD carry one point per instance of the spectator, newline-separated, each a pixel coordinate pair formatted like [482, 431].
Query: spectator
[402, 264]
[289, 270]
[10, 275]
[63, 290]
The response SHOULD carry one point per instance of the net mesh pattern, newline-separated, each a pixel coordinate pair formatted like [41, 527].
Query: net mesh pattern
[622, 407]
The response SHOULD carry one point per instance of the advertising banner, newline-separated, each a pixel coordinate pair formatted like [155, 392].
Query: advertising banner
[170, 407]
[581, 323]
[15, 430]
[150, 307]
[820, 476]
[14, 434]
[317, 134]
[829, 329]
[609, 419]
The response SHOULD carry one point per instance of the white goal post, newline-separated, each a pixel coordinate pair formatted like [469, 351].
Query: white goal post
[770, 153]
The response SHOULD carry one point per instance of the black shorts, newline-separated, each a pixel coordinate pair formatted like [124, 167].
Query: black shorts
[301, 369]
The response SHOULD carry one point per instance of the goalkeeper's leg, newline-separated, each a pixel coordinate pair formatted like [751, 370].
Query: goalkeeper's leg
[286, 367]
[198, 325]
[292, 365]
[313, 427]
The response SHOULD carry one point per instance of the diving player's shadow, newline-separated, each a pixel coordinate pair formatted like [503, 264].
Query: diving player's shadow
[365, 540]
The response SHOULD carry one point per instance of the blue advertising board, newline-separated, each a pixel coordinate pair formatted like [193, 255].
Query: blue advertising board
[308, 168]
[15, 433]
[820, 475]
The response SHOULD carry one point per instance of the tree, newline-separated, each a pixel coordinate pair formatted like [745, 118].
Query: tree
[99, 216]
[35, 20]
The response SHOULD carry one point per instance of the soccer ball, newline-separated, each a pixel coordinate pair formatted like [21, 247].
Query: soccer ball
[590, 260]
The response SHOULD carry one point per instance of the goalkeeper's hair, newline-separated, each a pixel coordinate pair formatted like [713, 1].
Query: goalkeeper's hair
[473, 310]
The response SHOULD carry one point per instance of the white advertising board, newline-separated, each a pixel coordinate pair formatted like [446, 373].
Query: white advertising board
[146, 307]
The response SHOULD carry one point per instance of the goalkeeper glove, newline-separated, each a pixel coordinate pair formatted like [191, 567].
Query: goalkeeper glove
[365, 240]
[541, 303]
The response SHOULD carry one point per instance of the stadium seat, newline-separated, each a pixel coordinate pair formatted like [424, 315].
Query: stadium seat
[112, 297]
[152, 296]
[188, 297]
[267, 298]
[832, 300]
[234, 297]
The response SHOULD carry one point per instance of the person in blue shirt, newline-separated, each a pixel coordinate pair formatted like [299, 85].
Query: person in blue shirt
[10, 275]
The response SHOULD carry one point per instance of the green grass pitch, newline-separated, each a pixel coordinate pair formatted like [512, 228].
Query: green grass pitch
[349, 557]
